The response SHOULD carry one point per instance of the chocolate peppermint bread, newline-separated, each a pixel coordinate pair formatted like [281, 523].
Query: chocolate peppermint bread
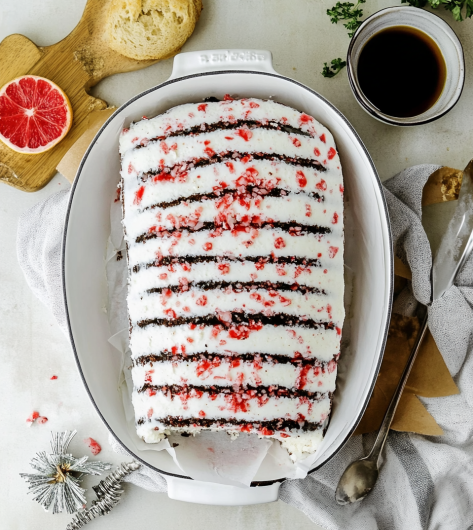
[233, 215]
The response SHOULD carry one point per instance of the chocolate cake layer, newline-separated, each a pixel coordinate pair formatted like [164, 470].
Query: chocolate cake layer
[239, 319]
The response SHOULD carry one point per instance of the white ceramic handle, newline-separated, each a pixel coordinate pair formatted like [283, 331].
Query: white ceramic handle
[218, 60]
[219, 494]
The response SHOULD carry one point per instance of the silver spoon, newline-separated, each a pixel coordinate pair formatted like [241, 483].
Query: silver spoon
[360, 477]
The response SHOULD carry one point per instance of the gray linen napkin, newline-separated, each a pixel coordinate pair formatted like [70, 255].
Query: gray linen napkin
[426, 483]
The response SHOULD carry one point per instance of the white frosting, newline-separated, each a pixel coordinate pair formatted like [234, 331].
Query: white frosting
[260, 243]
[185, 117]
[233, 271]
[238, 231]
[168, 153]
[197, 302]
[228, 406]
[318, 343]
[285, 209]
[266, 173]
[228, 373]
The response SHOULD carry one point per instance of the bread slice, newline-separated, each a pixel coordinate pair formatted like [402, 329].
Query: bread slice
[151, 29]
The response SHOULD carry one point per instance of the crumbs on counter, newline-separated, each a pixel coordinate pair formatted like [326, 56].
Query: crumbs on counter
[35, 417]
[94, 446]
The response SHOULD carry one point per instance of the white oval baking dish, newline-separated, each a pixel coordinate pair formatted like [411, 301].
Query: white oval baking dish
[196, 75]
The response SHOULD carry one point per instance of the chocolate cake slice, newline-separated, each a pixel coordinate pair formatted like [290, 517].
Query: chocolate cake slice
[233, 217]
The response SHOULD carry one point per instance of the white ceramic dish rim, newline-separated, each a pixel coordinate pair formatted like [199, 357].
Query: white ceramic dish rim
[389, 264]
[367, 105]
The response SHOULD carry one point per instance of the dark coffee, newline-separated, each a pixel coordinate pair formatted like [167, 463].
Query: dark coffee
[401, 70]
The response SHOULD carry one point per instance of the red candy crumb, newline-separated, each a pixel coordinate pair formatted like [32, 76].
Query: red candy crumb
[335, 218]
[139, 195]
[332, 365]
[280, 270]
[279, 243]
[33, 417]
[244, 133]
[284, 435]
[301, 179]
[170, 313]
[53, 377]
[42, 419]
[331, 153]
[202, 107]
[202, 414]
[285, 301]
[305, 119]
[322, 185]
[227, 97]
[316, 151]
[302, 379]
[322, 138]
[207, 246]
[332, 252]
[95, 446]
[266, 432]
[296, 142]
[202, 300]
[224, 268]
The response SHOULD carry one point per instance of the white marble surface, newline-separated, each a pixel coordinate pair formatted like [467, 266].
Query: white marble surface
[32, 348]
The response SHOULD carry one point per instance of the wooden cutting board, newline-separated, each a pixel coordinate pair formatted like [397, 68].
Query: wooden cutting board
[76, 63]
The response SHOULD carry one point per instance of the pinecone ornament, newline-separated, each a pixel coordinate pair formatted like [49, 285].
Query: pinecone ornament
[56, 485]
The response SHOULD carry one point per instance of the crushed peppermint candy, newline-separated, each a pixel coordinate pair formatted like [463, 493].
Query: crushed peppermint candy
[94, 446]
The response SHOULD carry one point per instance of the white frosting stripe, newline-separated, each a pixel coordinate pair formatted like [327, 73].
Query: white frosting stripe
[200, 303]
[210, 146]
[317, 343]
[241, 244]
[236, 271]
[192, 115]
[240, 406]
[232, 174]
[218, 371]
[298, 209]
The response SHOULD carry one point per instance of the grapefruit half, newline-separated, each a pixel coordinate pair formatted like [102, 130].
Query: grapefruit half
[35, 114]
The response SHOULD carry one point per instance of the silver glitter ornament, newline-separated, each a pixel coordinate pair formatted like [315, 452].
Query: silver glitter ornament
[108, 493]
[55, 486]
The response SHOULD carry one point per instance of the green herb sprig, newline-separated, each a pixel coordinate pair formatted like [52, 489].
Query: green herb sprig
[352, 14]
[458, 8]
[347, 11]
[336, 66]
